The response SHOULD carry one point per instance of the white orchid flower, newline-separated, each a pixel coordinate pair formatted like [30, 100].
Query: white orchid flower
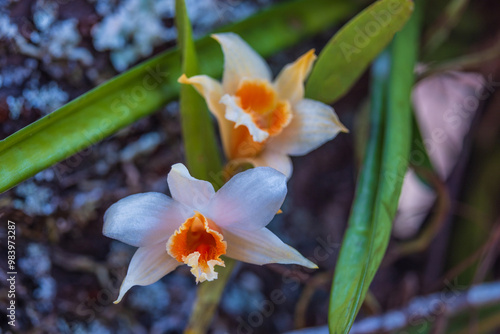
[198, 225]
[262, 121]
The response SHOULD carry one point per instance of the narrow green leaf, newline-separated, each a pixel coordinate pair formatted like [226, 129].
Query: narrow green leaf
[379, 186]
[148, 86]
[420, 159]
[344, 305]
[202, 154]
[349, 52]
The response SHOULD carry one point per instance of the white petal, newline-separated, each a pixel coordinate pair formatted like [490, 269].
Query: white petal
[261, 247]
[313, 124]
[277, 160]
[202, 276]
[235, 114]
[144, 219]
[147, 266]
[210, 89]
[240, 61]
[290, 81]
[249, 200]
[187, 190]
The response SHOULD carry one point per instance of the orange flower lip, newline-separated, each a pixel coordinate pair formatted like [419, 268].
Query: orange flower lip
[198, 243]
[260, 100]
[257, 95]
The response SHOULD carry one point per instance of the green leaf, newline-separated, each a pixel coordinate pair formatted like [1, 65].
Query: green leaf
[355, 249]
[420, 159]
[202, 154]
[147, 87]
[349, 52]
[379, 186]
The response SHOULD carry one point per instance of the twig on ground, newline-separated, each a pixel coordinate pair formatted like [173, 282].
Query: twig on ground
[423, 308]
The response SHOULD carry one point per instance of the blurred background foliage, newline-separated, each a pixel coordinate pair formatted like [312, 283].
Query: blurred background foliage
[446, 230]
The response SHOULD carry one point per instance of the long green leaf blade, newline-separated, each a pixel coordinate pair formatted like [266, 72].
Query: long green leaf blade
[200, 145]
[344, 305]
[353, 48]
[379, 187]
[148, 86]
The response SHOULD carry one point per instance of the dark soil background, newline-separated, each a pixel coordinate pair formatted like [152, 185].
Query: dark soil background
[69, 273]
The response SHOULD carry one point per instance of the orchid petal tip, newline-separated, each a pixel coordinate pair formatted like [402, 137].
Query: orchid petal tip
[183, 79]
[312, 53]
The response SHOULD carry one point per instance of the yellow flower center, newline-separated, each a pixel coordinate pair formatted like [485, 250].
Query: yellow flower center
[199, 244]
[258, 99]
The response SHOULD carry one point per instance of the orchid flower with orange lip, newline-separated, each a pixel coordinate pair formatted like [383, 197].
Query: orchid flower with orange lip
[197, 225]
[262, 121]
